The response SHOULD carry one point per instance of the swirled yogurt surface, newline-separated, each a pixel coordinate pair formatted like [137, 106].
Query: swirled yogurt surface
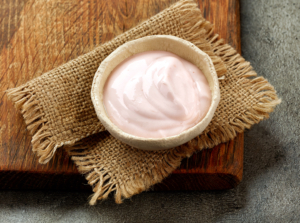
[156, 94]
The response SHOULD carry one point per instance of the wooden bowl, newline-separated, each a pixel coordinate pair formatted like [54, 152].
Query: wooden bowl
[180, 47]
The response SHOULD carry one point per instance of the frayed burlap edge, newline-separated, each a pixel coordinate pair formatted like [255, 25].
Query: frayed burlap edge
[197, 28]
[194, 30]
[263, 91]
[27, 102]
[103, 183]
[36, 123]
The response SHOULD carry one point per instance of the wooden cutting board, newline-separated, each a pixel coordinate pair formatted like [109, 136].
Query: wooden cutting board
[37, 36]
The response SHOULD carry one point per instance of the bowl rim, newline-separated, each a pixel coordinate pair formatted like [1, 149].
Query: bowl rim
[152, 143]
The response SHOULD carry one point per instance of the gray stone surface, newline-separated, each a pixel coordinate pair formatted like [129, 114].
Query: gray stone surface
[270, 190]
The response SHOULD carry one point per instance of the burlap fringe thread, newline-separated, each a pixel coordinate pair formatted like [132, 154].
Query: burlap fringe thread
[234, 63]
[26, 101]
[103, 183]
[195, 29]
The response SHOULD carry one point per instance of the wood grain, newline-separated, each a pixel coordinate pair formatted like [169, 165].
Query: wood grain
[37, 36]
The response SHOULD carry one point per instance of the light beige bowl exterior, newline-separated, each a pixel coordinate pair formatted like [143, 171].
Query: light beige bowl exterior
[180, 47]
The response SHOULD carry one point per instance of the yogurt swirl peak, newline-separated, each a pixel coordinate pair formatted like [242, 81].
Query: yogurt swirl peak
[156, 94]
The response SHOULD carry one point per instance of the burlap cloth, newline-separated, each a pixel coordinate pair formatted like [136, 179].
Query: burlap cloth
[58, 110]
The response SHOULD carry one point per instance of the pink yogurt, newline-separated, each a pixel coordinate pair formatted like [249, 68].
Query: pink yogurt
[156, 94]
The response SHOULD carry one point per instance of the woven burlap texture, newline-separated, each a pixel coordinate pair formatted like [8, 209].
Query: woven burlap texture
[58, 111]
